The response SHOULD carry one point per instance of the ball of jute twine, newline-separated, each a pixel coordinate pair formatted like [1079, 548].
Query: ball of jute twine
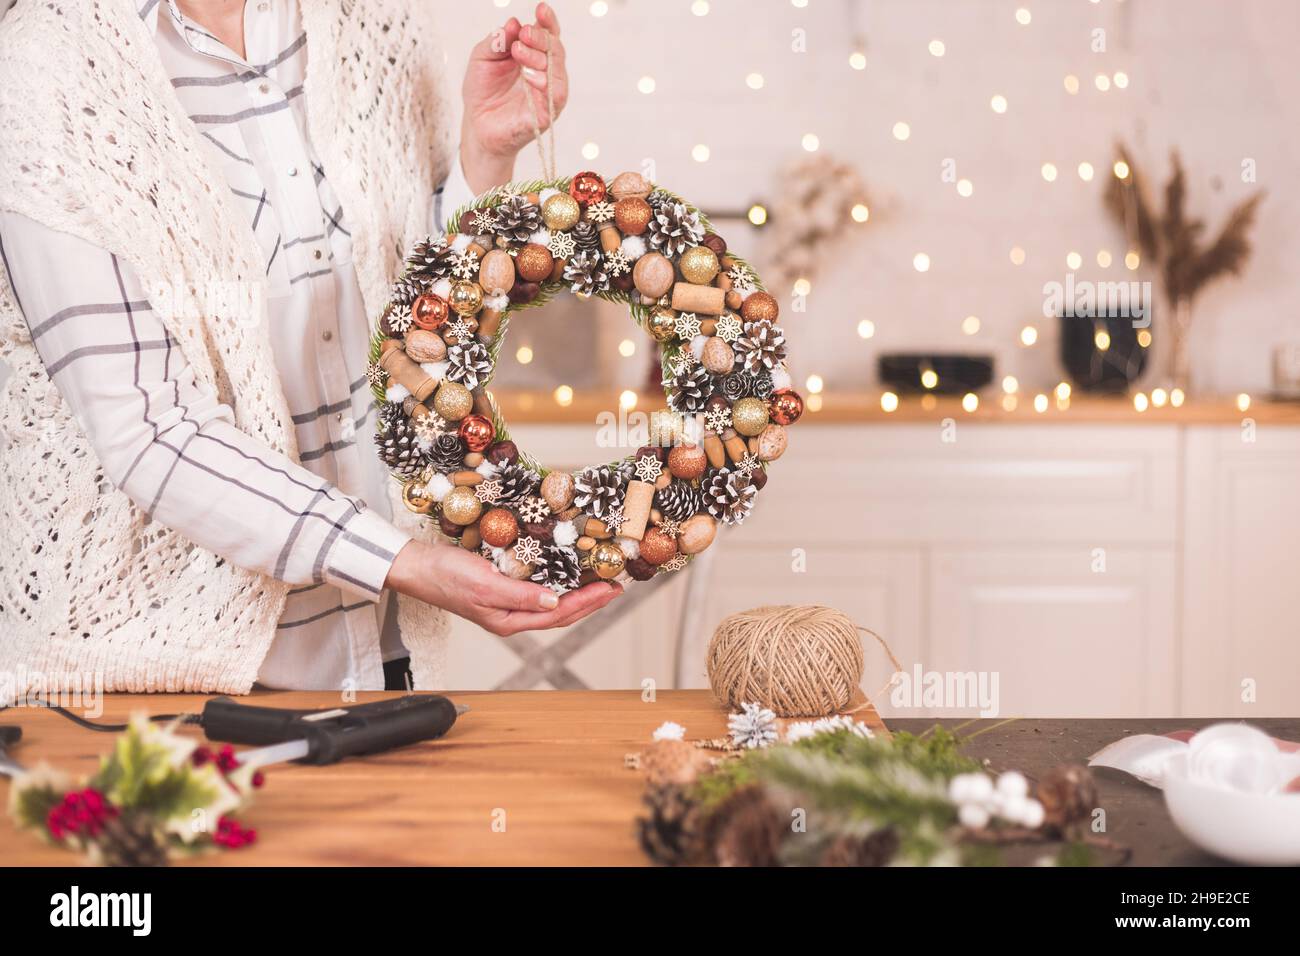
[799, 660]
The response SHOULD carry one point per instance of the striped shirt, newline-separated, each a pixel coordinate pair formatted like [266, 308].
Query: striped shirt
[164, 439]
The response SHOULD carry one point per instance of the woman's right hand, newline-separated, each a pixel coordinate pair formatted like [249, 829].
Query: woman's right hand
[467, 585]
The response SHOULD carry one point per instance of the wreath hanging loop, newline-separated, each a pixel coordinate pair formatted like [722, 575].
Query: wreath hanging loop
[723, 355]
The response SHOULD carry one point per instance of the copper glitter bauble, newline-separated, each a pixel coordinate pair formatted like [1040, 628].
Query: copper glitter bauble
[429, 312]
[632, 215]
[499, 527]
[461, 506]
[477, 432]
[657, 547]
[758, 306]
[587, 187]
[453, 401]
[786, 406]
[699, 264]
[749, 416]
[534, 262]
[561, 212]
[661, 324]
[466, 298]
[607, 560]
[687, 461]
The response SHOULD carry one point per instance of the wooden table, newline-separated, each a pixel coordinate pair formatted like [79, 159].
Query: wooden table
[550, 765]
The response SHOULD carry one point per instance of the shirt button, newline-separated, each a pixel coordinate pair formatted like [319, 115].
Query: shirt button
[293, 170]
[317, 254]
[263, 7]
[264, 88]
[327, 335]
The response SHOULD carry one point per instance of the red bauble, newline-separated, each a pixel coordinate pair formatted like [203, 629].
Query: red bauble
[587, 187]
[785, 407]
[477, 432]
[429, 312]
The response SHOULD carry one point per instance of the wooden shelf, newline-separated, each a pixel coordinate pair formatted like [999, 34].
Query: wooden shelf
[843, 408]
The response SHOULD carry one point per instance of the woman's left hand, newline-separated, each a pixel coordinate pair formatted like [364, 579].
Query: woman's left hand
[499, 111]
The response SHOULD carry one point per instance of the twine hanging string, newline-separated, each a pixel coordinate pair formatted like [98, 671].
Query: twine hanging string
[548, 163]
[800, 660]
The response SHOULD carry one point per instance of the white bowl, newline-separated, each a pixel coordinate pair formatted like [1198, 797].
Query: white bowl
[1255, 828]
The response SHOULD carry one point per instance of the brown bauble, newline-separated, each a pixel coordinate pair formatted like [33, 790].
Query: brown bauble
[534, 262]
[785, 406]
[430, 312]
[476, 431]
[587, 187]
[640, 569]
[759, 306]
[524, 292]
[653, 275]
[623, 282]
[687, 461]
[502, 452]
[657, 547]
[449, 527]
[499, 527]
[715, 242]
[632, 215]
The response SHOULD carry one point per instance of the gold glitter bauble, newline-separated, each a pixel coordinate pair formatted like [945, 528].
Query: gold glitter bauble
[461, 506]
[749, 415]
[561, 211]
[453, 401]
[661, 324]
[699, 264]
[420, 504]
[607, 560]
[466, 298]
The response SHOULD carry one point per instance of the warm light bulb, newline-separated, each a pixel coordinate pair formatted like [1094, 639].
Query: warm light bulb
[889, 401]
[1073, 260]
[998, 103]
[757, 214]
[1009, 402]
[1010, 385]
[1121, 80]
[1101, 339]
[1132, 260]
[814, 384]
[1085, 172]
[1040, 403]
[524, 355]
[937, 48]
[646, 84]
[902, 131]
[866, 329]
[1144, 338]
[921, 262]
[970, 401]
[700, 153]
[700, 8]
[1159, 397]
[860, 212]
[1140, 402]
[858, 60]
[1176, 398]
[626, 400]
[810, 142]
[1102, 82]
[1028, 335]
[1071, 83]
[599, 8]
[1017, 256]
[970, 325]
[814, 403]
[754, 81]
[590, 150]
[1024, 17]
[929, 378]
[1103, 258]
[627, 348]
[1120, 169]
[1049, 172]
[564, 395]
[1243, 402]
[802, 286]
[1063, 392]
[965, 187]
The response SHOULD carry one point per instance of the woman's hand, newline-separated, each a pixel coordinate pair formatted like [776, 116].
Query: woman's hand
[499, 112]
[468, 586]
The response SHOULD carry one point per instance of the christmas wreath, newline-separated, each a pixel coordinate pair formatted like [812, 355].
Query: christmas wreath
[723, 355]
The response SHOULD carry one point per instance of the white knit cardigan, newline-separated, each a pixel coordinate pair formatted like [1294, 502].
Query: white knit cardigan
[93, 142]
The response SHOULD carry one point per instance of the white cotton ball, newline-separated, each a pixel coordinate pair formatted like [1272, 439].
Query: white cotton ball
[1013, 784]
[461, 242]
[631, 547]
[1013, 808]
[1033, 814]
[437, 487]
[487, 469]
[959, 788]
[974, 816]
[979, 788]
[565, 534]
[781, 377]
[436, 370]
[633, 247]
[746, 293]
[441, 288]
[495, 552]
[498, 303]
[542, 237]
[396, 393]
[669, 730]
[697, 346]
[546, 194]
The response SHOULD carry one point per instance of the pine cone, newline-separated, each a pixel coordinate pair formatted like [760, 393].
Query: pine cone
[875, 849]
[430, 259]
[585, 273]
[469, 363]
[408, 288]
[671, 833]
[586, 235]
[448, 452]
[659, 198]
[517, 483]
[557, 568]
[516, 219]
[729, 496]
[689, 388]
[674, 229]
[597, 489]
[761, 385]
[130, 840]
[1069, 795]
[395, 440]
[761, 347]
[746, 830]
[679, 501]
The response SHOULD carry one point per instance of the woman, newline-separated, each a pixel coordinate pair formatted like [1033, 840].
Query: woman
[201, 204]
